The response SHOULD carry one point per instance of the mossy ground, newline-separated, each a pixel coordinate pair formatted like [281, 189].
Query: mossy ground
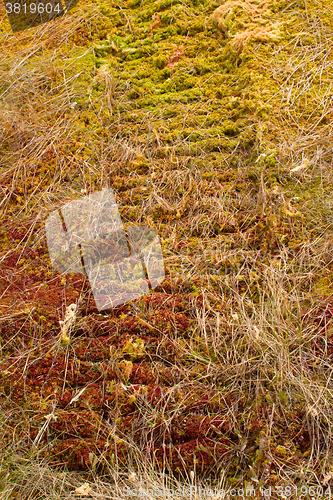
[212, 123]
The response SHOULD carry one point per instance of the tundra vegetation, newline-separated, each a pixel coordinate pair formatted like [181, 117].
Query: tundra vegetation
[211, 122]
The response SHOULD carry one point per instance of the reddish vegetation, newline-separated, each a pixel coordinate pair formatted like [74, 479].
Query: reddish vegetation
[162, 406]
[52, 375]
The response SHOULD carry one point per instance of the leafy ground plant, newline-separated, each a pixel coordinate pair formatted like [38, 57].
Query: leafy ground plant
[212, 124]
